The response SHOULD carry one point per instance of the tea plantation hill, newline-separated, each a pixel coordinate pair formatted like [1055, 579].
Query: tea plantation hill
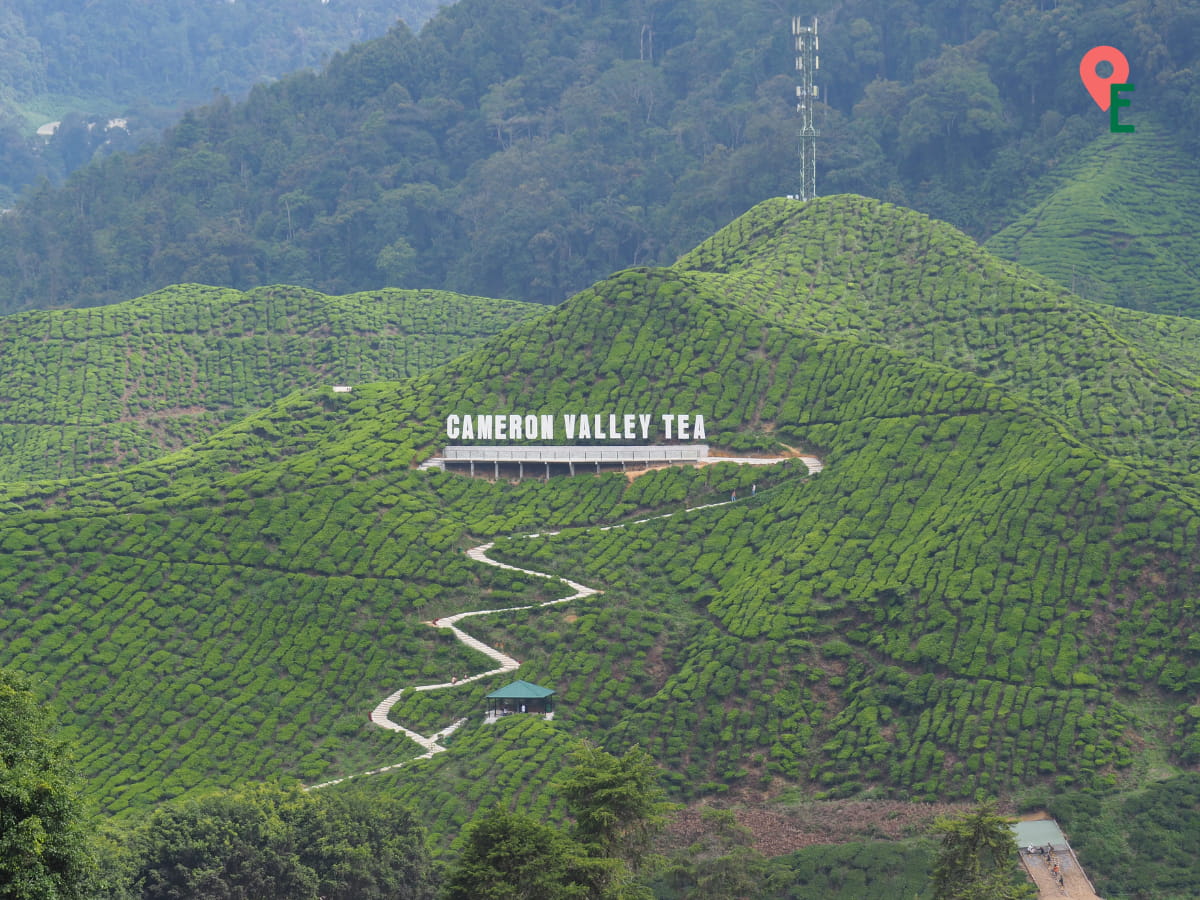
[1119, 222]
[1121, 381]
[105, 387]
[971, 598]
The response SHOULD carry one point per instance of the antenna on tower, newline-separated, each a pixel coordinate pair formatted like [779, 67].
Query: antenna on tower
[807, 63]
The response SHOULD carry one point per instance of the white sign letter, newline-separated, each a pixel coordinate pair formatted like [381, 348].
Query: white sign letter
[452, 431]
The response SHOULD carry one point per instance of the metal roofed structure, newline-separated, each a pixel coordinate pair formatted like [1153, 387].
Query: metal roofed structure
[520, 697]
[563, 459]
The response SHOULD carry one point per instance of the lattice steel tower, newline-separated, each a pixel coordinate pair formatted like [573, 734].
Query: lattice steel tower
[807, 63]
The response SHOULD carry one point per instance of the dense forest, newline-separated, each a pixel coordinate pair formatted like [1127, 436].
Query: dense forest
[84, 63]
[528, 147]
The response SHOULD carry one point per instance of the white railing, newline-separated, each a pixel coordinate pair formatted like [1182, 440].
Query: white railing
[567, 454]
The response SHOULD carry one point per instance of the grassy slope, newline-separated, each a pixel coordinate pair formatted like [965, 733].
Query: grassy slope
[960, 603]
[1118, 223]
[118, 384]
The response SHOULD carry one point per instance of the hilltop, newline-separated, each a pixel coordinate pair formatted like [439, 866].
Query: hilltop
[116, 385]
[1117, 222]
[892, 277]
[972, 596]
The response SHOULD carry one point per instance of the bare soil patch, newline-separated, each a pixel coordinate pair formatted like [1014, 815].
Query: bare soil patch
[782, 828]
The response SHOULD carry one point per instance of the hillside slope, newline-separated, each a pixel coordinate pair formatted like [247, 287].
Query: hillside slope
[128, 382]
[1118, 223]
[969, 598]
[892, 277]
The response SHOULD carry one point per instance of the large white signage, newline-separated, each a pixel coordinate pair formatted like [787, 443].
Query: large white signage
[578, 426]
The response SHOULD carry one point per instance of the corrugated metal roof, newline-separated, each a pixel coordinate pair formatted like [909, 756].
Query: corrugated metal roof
[520, 690]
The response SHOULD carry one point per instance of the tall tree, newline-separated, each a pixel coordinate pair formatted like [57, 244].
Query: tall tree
[45, 852]
[618, 804]
[722, 865]
[510, 856]
[975, 859]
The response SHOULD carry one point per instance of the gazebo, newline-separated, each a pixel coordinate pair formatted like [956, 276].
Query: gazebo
[520, 697]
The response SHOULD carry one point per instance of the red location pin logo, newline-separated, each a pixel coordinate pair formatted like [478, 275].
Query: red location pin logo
[1097, 86]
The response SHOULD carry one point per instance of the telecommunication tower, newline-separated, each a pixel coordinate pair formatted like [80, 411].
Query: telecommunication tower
[807, 63]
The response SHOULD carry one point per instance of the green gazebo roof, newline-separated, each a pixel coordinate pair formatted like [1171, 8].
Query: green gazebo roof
[520, 690]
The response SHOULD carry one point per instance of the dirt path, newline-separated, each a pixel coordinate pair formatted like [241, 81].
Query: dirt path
[1075, 884]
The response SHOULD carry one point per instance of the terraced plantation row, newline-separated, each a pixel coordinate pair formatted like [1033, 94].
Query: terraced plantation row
[889, 276]
[864, 607]
[118, 384]
[241, 636]
[970, 597]
[1107, 223]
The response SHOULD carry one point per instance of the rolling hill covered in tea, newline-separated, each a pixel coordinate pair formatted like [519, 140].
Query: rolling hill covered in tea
[114, 385]
[890, 277]
[984, 589]
[1117, 222]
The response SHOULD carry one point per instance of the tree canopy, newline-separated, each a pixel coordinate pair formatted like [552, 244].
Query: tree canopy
[44, 845]
[976, 856]
[113, 74]
[264, 842]
[527, 149]
[617, 802]
[618, 806]
[510, 856]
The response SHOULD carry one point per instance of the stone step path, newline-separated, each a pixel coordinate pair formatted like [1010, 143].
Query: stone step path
[431, 745]
[505, 663]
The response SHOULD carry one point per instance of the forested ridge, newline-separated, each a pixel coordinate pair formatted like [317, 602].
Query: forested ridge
[84, 63]
[128, 382]
[524, 149]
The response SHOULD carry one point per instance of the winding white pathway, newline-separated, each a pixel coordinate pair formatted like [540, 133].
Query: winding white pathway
[506, 663]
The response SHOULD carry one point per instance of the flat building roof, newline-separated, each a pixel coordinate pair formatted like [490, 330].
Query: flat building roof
[642, 453]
